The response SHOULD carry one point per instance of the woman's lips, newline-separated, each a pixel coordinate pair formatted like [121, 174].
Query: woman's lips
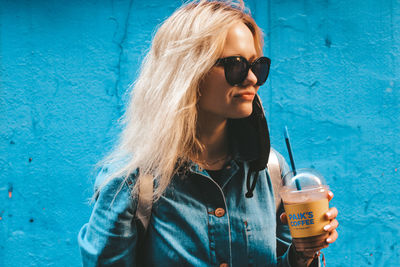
[245, 96]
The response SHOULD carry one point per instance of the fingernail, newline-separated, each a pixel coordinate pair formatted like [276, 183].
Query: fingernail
[328, 214]
[330, 194]
[327, 227]
[328, 240]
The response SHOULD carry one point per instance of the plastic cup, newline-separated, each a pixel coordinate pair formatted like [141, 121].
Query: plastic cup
[306, 208]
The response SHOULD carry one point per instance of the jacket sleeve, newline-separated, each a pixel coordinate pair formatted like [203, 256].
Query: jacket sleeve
[110, 236]
[283, 237]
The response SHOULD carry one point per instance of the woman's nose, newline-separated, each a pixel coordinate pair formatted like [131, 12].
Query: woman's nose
[251, 79]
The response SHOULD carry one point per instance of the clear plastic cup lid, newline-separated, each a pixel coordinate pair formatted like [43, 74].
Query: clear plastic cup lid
[303, 180]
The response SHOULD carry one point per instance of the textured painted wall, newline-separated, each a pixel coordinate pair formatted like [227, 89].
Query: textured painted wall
[335, 83]
[66, 65]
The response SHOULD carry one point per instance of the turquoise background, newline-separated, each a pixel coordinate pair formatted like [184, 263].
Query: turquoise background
[65, 67]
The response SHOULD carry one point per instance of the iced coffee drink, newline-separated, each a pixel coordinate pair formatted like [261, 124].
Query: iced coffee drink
[305, 199]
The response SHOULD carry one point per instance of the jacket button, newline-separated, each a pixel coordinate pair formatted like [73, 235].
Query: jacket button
[224, 264]
[219, 213]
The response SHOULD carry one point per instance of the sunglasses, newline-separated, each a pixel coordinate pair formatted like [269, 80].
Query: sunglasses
[237, 68]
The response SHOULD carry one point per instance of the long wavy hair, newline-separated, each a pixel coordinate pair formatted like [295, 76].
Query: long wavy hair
[160, 123]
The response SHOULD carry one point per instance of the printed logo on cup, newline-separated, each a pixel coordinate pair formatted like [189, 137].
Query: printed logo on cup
[307, 219]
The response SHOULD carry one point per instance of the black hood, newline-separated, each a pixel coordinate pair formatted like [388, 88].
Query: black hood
[250, 140]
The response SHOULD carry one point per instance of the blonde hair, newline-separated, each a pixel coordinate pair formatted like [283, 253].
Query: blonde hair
[159, 126]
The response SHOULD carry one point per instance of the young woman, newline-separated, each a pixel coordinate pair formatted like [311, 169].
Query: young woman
[196, 130]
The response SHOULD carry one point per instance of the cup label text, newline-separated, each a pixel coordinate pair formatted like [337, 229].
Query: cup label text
[307, 219]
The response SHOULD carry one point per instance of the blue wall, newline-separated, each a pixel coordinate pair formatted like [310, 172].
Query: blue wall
[66, 65]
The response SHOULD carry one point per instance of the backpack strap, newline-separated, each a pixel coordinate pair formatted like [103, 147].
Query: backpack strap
[145, 200]
[275, 176]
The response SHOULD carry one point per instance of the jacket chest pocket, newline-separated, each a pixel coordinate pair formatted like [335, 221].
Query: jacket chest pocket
[248, 235]
[260, 244]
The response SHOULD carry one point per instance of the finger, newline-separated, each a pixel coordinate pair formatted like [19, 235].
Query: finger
[331, 213]
[283, 218]
[331, 226]
[330, 195]
[332, 237]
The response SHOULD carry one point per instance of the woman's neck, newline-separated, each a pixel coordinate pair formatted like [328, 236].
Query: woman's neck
[212, 133]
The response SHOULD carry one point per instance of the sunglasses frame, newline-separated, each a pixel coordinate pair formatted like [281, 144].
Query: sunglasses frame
[232, 59]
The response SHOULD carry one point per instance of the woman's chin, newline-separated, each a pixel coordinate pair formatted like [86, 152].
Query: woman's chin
[243, 113]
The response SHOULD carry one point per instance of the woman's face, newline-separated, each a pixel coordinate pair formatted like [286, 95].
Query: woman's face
[217, 96]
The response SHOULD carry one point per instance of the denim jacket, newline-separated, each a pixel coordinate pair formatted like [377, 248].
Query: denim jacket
[198, 221]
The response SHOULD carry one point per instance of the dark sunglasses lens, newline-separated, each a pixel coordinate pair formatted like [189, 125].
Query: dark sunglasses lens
[235, 71]
[260, 69]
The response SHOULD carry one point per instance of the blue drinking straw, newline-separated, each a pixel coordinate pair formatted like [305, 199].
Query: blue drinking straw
[289, 148]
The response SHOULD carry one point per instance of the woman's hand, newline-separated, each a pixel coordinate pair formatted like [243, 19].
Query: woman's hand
[303, 257]
[333, 224]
